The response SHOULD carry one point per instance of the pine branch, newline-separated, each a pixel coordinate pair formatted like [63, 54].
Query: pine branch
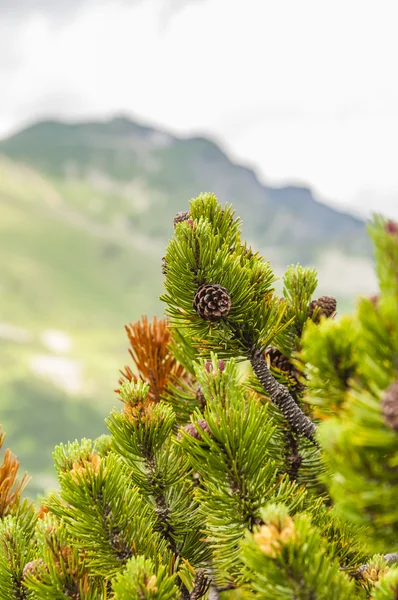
[281, 396]
[293, 457]
[114, 535]
[200, 587]
[185, 595]
[161, 508]
[166, 530]
[227, 588]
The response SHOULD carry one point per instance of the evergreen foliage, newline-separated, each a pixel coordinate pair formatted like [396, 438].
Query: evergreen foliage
[255, 453]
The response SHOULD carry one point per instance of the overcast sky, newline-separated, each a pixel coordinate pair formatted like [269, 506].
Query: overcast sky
[302, 90]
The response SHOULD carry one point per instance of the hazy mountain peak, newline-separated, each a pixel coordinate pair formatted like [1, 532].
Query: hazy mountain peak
[286, 220]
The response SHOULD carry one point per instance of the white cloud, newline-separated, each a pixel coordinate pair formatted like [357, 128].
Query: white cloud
[302, 90]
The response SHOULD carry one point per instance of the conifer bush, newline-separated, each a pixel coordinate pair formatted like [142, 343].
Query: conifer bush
[255, 453]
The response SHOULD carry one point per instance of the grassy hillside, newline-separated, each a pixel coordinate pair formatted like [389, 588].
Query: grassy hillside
[59, 272]
[85, 214]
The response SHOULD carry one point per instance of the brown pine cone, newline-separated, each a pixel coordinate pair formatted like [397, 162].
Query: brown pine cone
[212, 302]
[180, 217]
[278, 360]
[389, 406]
[326, 305]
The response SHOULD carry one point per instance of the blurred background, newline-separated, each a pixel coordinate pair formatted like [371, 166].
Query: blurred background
[113, 114]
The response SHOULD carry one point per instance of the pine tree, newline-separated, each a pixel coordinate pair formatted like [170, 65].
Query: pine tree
[255, 454]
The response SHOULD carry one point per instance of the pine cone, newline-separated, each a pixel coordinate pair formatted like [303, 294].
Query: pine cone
[34, 567]
[193, 432]
[326, 305]
[389, 406]
[209, 366]
[278, 360]
[180, 217]
[212, 302]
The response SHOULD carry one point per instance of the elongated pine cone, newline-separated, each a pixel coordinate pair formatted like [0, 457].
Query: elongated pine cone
[278, 360]
[389, 406]
[180, 217]
[326, 305]
[212, 302]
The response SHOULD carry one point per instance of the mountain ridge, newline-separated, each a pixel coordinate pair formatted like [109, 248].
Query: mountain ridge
[286, 218]
[126, 125]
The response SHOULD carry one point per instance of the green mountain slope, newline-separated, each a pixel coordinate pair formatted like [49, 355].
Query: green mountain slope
[85, 212]
[60, 271]
[56, 251]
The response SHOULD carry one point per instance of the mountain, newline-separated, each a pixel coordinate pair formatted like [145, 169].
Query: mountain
[155, 173]
[86, 210]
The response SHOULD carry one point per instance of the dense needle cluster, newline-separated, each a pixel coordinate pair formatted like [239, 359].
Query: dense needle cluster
[254, 453]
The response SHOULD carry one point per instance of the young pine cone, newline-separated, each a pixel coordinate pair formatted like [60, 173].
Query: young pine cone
[34, 567]
[193, 432]
[326, 305]
[212, 302]
[389, 406]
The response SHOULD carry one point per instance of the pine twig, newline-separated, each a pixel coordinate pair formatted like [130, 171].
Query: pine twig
[185, 595]
[200, 586]
[281, 397]
[227, 588]
[293, 457]
[214, 592]
[161, 509]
